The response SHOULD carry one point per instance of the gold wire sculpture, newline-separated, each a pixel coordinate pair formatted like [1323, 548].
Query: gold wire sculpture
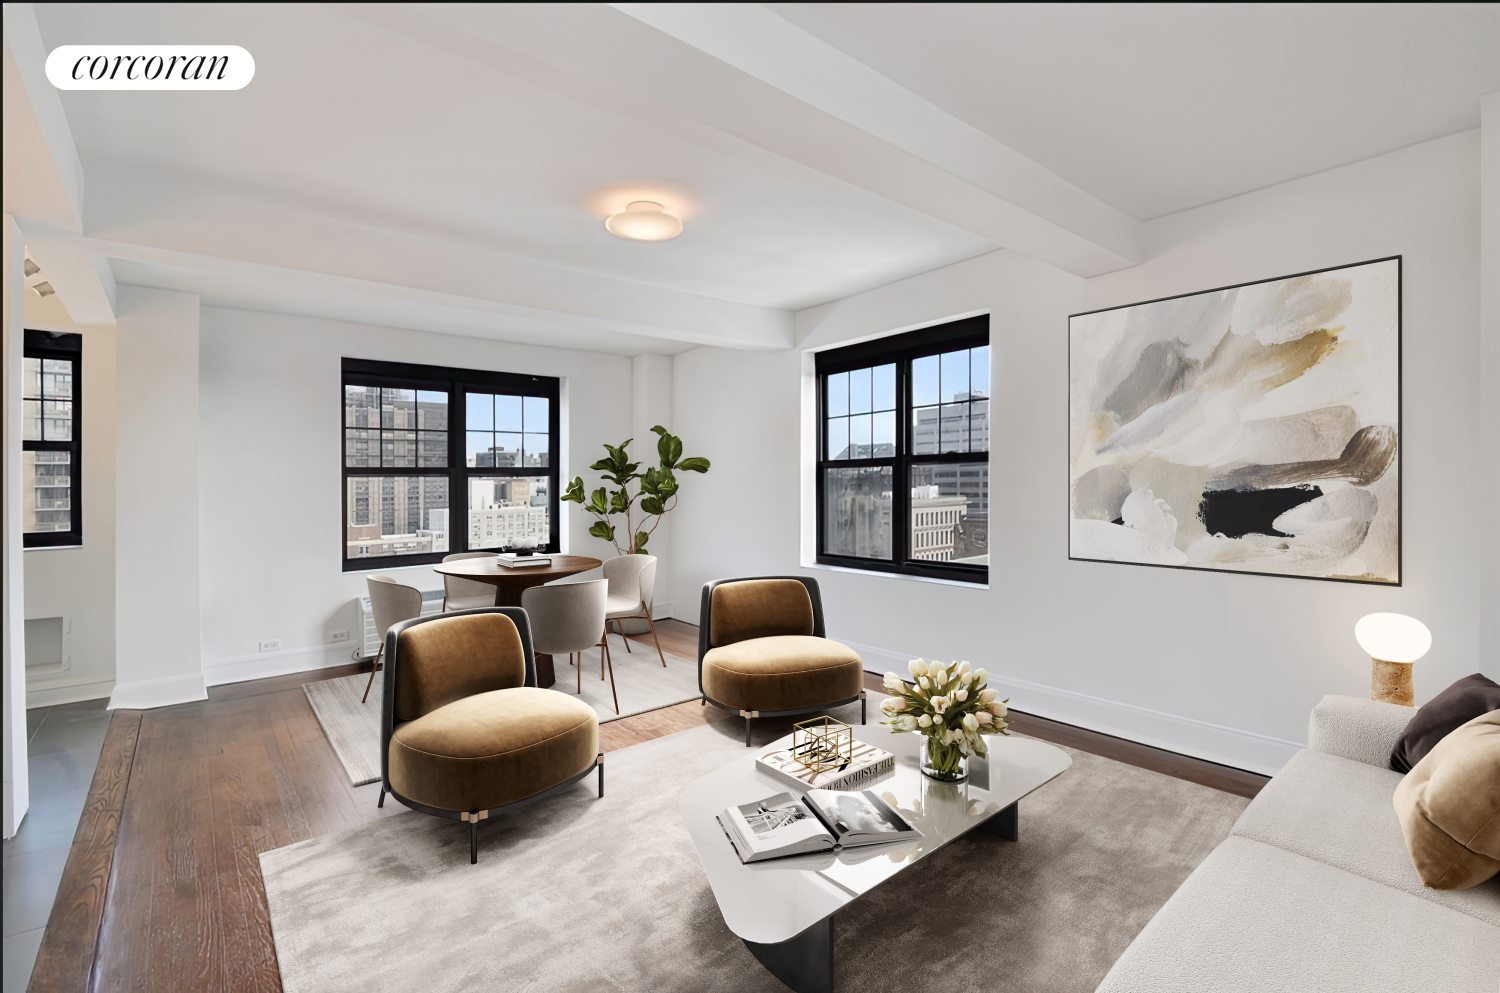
[823, 744]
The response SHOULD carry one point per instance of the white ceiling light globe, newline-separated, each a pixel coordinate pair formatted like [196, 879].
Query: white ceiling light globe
[1393, 637]
[644, 220]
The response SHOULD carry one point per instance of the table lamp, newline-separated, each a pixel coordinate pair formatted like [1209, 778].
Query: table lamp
[1394, 642]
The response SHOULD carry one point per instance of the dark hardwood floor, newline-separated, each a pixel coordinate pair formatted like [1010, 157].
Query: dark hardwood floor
[186, 798]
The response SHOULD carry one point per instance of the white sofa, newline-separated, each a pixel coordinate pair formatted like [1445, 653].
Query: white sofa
[1313, 890]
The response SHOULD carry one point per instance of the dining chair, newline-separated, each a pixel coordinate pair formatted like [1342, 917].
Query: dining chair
[632, 581]
[390, 603]
[566, 618]
[466, 594]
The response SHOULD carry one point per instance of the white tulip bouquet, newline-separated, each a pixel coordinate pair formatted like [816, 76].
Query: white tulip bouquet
[951, 705]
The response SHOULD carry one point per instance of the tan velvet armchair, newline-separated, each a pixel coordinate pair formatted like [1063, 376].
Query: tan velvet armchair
[763, 650]
[465, 732]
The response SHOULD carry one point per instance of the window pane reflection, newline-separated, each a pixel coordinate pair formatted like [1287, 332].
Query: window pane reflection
[857, 512]
[510, 512]
[838, 394]
[396, 515]
[950, 510]
[46, 491]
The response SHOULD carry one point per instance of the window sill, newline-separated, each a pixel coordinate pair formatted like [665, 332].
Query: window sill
[905, 577]
[52, 548]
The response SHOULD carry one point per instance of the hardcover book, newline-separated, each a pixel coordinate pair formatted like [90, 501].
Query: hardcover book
[821, 821]
[866, 766]
[514, 561]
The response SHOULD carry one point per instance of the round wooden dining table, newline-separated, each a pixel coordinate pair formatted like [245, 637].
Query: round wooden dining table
[510, 582]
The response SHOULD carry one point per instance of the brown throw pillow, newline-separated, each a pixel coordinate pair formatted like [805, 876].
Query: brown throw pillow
[1449, 806]
[1458, 704]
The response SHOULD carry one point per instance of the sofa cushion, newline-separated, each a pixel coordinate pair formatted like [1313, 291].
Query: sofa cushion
[1449, 806]
[1338, 811]
[1458, 704]
[1254, 917]
[493, 748]
[781, 673]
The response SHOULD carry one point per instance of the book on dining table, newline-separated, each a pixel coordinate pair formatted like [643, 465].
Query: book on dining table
[820, 821]
[514, 561]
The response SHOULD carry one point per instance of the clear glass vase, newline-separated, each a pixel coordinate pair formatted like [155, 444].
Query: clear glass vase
[945, 763]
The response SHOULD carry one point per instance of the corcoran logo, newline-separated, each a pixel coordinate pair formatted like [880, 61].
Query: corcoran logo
[150, 67]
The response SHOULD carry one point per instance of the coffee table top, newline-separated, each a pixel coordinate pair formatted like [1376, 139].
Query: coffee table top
[768, 902]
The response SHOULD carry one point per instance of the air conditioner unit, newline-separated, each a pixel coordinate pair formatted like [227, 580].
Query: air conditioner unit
[369, 641]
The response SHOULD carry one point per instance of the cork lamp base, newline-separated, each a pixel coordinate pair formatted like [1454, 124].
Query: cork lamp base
[1390, 682]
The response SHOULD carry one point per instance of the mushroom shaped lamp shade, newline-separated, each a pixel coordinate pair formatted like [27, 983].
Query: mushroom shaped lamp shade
[644, 220]
[1394, 642]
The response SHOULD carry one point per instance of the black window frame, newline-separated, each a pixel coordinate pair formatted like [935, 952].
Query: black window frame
[900, 349]
[69, 346]
[457, 383]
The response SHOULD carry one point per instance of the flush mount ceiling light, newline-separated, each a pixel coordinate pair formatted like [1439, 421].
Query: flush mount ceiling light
[644, 220]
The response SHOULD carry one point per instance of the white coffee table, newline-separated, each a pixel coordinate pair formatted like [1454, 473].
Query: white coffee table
[783, 909]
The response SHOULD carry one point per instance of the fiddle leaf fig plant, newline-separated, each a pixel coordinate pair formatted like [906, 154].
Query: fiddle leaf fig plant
[656, 491]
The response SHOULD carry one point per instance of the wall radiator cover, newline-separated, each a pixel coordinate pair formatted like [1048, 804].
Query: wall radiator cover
[369, 641]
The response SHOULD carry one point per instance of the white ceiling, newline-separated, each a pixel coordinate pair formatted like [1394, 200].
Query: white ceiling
[448, 167]
[1155, 108]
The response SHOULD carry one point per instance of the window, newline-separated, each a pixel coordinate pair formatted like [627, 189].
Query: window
[903, 459]
[51, 456]
[440, 460]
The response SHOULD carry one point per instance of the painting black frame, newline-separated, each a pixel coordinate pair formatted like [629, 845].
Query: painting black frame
[1400, 417]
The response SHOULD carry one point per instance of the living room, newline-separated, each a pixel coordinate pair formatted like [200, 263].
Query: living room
[508, 236]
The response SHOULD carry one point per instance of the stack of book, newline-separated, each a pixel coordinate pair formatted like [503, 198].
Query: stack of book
[867, 765]
[514, 561]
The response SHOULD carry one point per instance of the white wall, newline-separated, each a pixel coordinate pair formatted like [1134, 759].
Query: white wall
[12, 585]
[157, 646]
[1489, 393]
[1221, 666]
[78, 583]
[271, 527]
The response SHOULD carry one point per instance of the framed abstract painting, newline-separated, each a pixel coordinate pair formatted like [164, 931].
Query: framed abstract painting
[1252, 428]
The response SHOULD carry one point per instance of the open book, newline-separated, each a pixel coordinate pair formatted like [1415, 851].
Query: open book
[823, 820]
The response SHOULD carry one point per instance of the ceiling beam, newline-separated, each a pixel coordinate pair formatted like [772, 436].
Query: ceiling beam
[758, 42]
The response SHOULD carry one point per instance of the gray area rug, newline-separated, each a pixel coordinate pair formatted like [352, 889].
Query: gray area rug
[581, 893]
[643, 683]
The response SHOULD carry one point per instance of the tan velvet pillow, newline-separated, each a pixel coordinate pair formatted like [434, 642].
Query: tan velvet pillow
[1449, 806]
[759, 608]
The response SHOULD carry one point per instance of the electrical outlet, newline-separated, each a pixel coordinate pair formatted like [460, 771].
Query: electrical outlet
[338, 636]
[274, 645]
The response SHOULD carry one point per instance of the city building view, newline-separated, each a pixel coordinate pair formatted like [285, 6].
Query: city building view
[950, 502]
[47, 416]
[388, 427]
[510, 512]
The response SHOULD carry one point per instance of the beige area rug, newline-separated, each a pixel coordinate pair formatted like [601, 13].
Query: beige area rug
[582, 893]
[353, 728]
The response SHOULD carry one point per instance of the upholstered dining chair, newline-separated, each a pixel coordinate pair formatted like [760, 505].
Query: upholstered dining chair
[466, 594]
[632, 583]
[390, 603]
[465, 733]
[763, 650]
[569, 617]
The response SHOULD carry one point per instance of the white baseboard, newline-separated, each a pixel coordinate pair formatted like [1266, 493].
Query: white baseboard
[146, 694]
[1188, 736]
[265, 664]
[70, 691]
